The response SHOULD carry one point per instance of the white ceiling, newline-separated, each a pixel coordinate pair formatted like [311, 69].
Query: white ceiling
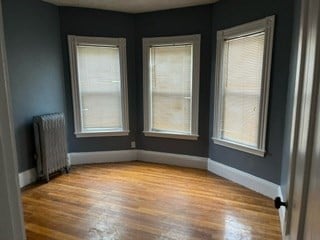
[131, 6]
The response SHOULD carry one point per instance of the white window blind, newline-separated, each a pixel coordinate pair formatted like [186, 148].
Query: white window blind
[243, 66]
[171, 88]
[242, 76]
[99, 87]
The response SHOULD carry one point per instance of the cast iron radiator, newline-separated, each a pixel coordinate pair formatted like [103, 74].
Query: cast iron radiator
[51, 144]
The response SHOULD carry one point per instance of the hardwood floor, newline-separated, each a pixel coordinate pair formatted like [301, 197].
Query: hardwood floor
[139, 201]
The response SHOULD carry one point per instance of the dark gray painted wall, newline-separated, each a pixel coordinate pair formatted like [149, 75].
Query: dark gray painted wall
[34, 47]
[290, 99]
[228, 13]
[194, 20]
[98, 23]
[90, 22]
[35, 67]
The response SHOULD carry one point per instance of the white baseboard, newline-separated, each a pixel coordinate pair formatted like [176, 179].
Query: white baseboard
[247, 180]
[27, 177]
[282, 214]
[102, 157]
[141, 155]
[173, 159]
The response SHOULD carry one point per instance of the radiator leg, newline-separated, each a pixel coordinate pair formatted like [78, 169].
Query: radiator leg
[67, 169]
[47, 178]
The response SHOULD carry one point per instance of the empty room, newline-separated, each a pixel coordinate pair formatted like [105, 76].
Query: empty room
[147, 119]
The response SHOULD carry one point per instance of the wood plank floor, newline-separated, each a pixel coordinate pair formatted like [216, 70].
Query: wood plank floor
[139, 201]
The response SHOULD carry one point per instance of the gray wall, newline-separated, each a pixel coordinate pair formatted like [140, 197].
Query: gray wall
[194, 20]
[228, 13]
[98, 23]
[290, 98]
[88, 22]
[35, 68]
[40, 85]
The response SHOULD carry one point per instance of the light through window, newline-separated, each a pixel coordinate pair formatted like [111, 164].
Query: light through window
[98, 85]
[243, 59]
[171, 86]
[242, 84]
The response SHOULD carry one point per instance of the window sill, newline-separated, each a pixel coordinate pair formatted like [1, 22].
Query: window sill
[101, 134]
[171, 135]
[243, 148]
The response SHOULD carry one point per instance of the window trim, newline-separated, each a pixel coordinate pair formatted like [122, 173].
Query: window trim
[173, 40]
[73, 41]
[263, 25]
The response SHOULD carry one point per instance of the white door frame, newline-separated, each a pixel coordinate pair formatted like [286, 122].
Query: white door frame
[303, 118]
[311, 225]
[11, 218]
[295, 126]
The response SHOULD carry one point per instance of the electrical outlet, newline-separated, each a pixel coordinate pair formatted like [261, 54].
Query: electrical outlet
[133, 144]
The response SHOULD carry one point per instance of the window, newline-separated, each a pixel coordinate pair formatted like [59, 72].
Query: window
[242, 84]
[99, 86]
[171, 86]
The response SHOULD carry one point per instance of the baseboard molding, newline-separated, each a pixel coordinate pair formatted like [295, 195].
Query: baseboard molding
[30, 176]
[102, 157]
[27, 177]
[141, 155]
[247, 180]
[172, 159]
[282, 214]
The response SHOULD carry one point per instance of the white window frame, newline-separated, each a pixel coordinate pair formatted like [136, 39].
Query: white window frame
[74, 41]
[175, 40]
[265, 25]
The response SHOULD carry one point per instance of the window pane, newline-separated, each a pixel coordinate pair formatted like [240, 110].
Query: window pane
[100, 88]
[242, 76]
[171, 88]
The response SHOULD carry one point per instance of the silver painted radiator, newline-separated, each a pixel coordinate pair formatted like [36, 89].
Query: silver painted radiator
[51, 144]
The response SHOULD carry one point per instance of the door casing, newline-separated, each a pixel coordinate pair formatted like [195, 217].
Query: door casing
[11, 218]
[304, 118]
